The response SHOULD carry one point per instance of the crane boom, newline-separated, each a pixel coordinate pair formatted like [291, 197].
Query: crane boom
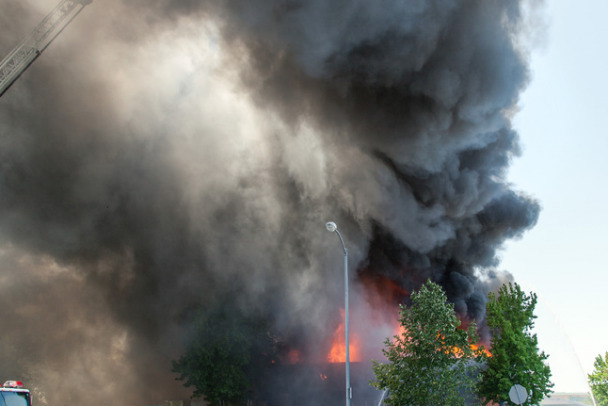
[22, 56]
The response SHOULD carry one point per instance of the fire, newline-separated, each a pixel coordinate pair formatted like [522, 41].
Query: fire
[485, 350]
[477, 349]
[400, 330]
[293, 357]
[337, 353]
[383, 292]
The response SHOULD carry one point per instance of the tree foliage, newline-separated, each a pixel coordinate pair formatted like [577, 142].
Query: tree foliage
[598, 380]
[431, 361]
[516, 358]
[227, 357]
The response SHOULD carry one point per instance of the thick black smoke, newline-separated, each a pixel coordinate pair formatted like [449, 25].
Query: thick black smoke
[162, 155]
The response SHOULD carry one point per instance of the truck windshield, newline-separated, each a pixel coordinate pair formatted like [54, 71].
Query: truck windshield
[14, 398]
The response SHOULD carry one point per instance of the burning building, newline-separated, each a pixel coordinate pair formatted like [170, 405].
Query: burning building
[173, 154]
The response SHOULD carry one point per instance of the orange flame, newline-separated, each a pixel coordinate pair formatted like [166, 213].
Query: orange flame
[477, 349]
[383, 292]
[293, 357]
[400, 330]
[486, 351]
[337, 353]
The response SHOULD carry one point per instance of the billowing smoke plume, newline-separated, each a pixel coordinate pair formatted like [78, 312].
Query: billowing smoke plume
[163, 155]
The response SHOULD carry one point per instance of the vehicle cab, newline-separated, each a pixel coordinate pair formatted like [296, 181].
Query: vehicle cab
[12, 393]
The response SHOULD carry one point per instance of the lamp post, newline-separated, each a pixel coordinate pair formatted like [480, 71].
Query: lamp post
[332, 227]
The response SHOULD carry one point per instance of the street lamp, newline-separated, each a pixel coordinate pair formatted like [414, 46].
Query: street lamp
[332, 227]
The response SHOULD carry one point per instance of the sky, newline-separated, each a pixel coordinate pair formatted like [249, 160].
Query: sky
[562, 124]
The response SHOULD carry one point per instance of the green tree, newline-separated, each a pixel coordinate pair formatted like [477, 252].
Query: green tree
[227, 357]
[431, 361]
[515, 358]
[598, 380]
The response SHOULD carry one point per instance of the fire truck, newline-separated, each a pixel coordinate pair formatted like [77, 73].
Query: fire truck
[12, 393]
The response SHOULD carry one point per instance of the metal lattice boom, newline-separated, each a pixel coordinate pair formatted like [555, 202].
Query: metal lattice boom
[25, 53]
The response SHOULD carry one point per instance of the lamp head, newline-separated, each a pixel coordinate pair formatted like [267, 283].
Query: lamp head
[331, 226]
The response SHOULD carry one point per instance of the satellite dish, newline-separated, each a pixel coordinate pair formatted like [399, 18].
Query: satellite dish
[518, 394]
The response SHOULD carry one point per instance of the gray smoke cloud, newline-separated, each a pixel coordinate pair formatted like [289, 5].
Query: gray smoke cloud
[162, 155]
